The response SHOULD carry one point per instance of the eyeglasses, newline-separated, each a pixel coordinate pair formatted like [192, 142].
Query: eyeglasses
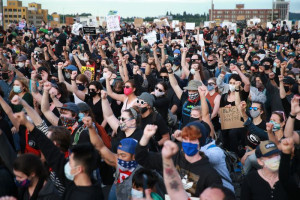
[254, 108]
[160, 90]
[211, 84]
[126, 86]
[122, 119]
[139, 101]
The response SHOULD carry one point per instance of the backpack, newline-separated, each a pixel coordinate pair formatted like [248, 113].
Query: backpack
[235, 169]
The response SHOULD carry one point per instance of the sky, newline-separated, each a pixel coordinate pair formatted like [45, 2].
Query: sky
[144, 8]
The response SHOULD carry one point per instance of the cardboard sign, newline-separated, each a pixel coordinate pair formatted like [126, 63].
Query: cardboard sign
[75, 28]
[89, 71]
[201, 41]
[113, 23]
[89, 30]
[151, 37]
[190, 26]
[138, 22]
[240, 17]
[230, 118]
[212, 25]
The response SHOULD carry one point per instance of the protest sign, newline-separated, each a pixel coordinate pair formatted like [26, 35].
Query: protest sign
[75, 28]
[165, 22]
[138, 22]
[151, 37]
[22, 25]
[175, 23]
[113, 23]
[178, 41]
[126, 39]
[200, 41]
[240, 17]
[230, 118]
[177, 29]
[190, 26]
[89, 30]
[269, 24]
[89, 71]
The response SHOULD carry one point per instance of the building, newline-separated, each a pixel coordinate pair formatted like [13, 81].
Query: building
[240, 13]
[283, 7]
[69, 21]
[36, 14]
[55, 23]
[15, 11]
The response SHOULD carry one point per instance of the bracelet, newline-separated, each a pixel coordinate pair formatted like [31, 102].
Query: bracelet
[237, 90]
[292, 116]
[72, 79]
[170, 72]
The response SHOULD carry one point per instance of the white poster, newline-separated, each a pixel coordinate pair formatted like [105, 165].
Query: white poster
[151, 37]
[75, 28]
[179, 41]
[174, 23]
[125, 39]
[113, 23]
[201, 41]
[190, 26]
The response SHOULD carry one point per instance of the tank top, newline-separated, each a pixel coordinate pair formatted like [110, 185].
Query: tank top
[211, 99]
[76, 99]
[127, 105]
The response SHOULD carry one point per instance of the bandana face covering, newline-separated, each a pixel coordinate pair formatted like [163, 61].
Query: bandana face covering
[67, 122]
[193, 97]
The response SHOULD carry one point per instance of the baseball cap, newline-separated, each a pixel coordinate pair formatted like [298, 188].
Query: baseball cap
[83, 107]
[193, 85]
[128, 145]
[40, 69]
[21, 58]
[265, 149]
[288, 80]
[176, 51]
[71, 106]
[71, 67]
[149, 98]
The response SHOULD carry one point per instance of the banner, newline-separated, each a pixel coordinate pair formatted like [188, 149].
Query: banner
[190, 26]
[89, 30]
[89, 71]
[230, 118]
[113, 23]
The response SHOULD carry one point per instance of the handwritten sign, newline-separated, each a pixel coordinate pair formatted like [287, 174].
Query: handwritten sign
[151, 37]
[75, 28]
[89, 71]
[190, 26]
[126, 39]
[201, 41]
[113, 23]
[89, 30]
[138, 22]
[230, 118]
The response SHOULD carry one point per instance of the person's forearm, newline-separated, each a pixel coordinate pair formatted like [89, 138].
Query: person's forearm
[289, 127]
[144, 141]
[61, 78]
[107, 111]
[237, 98]
[173, 80]
[172, 180]
[174, 109]
[45, 102]
[108, 87]
[78, 63]
[125, 71]
[37, 120]
[52, 54]
[164, 138]
[57, 103]
[204, 107]
[245, 81]
[46, 56]
[9, 112]
[282, 90]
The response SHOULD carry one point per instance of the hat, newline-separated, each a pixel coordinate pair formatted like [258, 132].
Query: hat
[71, 106]
[149, 98]
[83, 107]
[193, 85]
[288, 80]
[21, 58]
[177, 51]
[128, 145]
[71, 67]
[203, 130]
[40, 69]
[265, 149]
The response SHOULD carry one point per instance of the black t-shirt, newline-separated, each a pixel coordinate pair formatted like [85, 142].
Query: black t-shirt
[96, 108]
[161, 104]
[224, 102]
[156, 119]
[74, 192]
[251, 138]
[137, 134]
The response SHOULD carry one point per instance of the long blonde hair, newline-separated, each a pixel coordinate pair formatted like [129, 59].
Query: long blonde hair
[24, 83]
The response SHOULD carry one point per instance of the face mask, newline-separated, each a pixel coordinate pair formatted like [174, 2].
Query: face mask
[231, 88]
[5, 76]
[275, 64]
[68, 172]
[22, 184]
[229, 54]
[254, 114]
[68, 75]
[192, 119]
[127, 165]
[81, 116]
[124, 49]
[276, 126]
[189, 148]
[67, 122]
[92, 93]
[81, 87]
[158, 93]
[104, 75]
[193, 96]
[136, 194]
[103, 47]
[122, 126]
[273, 163]
[85, 59]
[127, 91]
[143, 110]
[267, 67]
[287, 89]
[210, 87]
[176, 55]
[20, 64]
[17, 89]
[193, 71]
[243, 51]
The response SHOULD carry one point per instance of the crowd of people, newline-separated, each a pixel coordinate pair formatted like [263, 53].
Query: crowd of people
[96, 117]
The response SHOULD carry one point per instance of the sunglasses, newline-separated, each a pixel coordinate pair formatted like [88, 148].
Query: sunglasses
[92, 90]
[194, 60]
[281, 113]
[142, 102]
[211, 84]
[254, 108]
[126, 86]
[210, 60]
[122, 119]
[160, 90]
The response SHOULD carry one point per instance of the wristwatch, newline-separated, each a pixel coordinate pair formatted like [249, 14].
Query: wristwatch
[292, 116]
[170, 72]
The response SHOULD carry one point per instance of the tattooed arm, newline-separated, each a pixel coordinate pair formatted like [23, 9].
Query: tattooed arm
[171, 177]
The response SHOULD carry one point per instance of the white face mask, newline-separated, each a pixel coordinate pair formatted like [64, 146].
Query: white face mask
[105, 75]
[158, 93]
[231, 87]
[136, 194]
[273, 163]
[21, 64]
[193, 71]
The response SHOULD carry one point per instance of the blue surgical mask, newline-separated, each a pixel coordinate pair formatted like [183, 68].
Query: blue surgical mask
[68, 172]
[190, 149]
[22, 184]
[81, 116]
[210, 87]
[17, 89]
[126, 165]
[136, 194]
[276, 126]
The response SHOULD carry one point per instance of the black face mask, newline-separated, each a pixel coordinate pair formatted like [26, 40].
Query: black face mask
[143, 110]
[267, 67]
[287, 89]
[92, 93]
[192, 119]
[5, 76]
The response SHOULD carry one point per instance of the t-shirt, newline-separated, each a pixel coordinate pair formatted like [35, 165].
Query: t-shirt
[26, 97]
[96, 108]
[74, 192]
[115, 141]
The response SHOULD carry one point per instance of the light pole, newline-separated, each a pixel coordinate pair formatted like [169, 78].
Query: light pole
[272, 10]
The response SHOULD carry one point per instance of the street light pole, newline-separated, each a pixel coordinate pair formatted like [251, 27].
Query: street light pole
[272, 10]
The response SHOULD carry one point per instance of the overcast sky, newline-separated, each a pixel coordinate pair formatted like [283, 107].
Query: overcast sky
[143, 8]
